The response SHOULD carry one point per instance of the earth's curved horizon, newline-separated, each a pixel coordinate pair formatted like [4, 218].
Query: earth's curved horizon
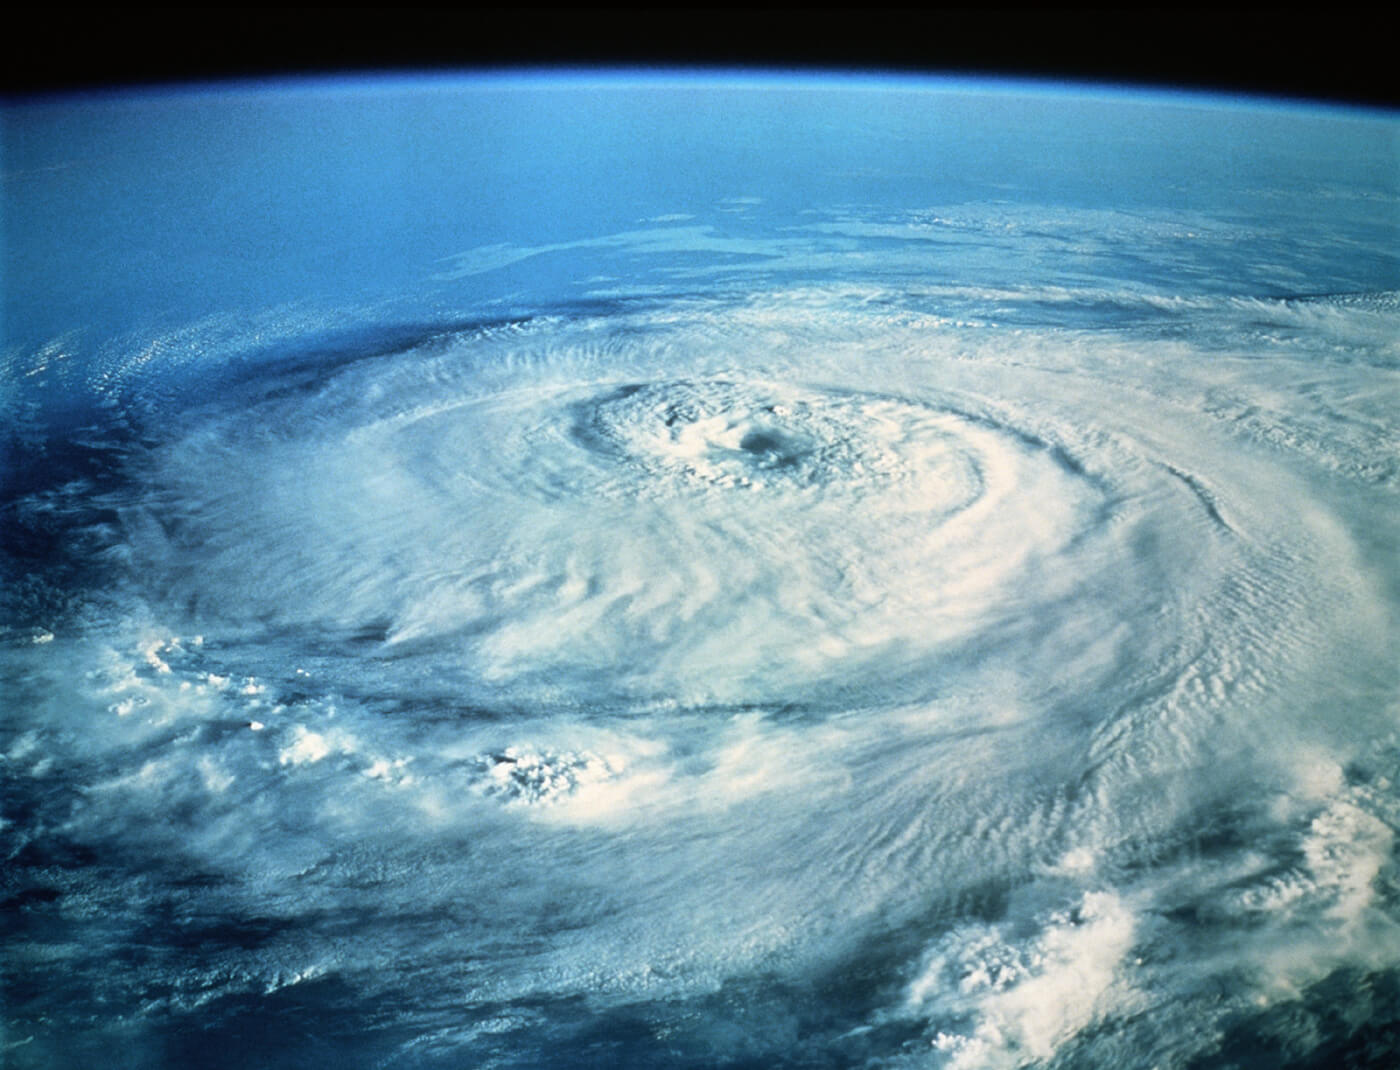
[670, 569]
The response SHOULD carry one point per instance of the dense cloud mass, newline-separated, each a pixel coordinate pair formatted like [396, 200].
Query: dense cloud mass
[941, 637]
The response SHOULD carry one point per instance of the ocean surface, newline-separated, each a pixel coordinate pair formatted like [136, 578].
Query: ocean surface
[609, 570]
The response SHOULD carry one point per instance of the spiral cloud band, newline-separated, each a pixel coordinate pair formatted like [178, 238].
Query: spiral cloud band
[788, 668]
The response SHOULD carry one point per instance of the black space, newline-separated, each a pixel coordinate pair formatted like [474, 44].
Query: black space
[1326, 53]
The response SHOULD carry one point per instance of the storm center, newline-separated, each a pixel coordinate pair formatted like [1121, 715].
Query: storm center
[771, 449]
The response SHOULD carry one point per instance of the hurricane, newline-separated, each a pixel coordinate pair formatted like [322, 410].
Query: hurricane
[943, 618]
